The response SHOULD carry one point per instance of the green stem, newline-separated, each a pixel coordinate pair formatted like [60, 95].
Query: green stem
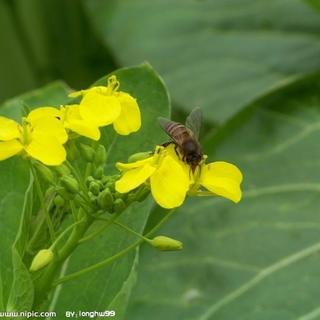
[43, 205]
[114, 257]
[99, 231]
[126, 228]
[43, 284]
[62, 234]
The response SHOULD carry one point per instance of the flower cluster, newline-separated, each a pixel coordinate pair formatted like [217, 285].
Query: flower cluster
[44, 131]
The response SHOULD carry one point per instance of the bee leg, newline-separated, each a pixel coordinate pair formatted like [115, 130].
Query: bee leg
[167, 143]
[177, 153]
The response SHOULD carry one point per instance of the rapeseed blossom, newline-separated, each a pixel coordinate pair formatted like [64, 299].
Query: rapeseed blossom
[171, 179]
[105, 105]
[39, 136]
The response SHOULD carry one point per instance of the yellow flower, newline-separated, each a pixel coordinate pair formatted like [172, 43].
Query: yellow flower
[104, 105]
[40, 137]
[71, 119]
[171, 179]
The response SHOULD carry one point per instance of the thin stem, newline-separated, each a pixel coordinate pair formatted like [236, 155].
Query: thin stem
[114, 257]
[99, 231]
[62, 234]
[125, 228]
[43, 205]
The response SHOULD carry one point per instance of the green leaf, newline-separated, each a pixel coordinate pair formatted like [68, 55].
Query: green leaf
[258, 259]
[110, 287]
[314, 3]
[218, 55]
[2, 308]
[22, 291]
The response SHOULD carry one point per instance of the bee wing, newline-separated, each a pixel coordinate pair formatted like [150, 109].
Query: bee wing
[194, 121]
[164, 123]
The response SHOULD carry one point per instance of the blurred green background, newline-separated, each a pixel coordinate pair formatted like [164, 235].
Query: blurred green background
[253, 66]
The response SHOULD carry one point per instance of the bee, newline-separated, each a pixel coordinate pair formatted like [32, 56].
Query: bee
[185, 137]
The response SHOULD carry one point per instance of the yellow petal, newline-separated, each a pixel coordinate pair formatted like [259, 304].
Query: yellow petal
[50, 126]
[47, 149]
[129, 119]
[75, 122]
[9, 149]
[133, 178]
[9, 129]
[170, 183]
[99, 109]
[37, 114]
[131, 165]
[223, 179]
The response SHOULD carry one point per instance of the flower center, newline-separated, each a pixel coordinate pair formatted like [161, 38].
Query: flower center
[26, 132]
[113, 85]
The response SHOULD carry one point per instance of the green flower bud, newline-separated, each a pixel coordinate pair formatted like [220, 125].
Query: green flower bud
[94, 188]
[164, 243]
[89, 169]
[62, 170]
[42, 258]
[89, 180]
[73, 152]
[98, 172]
[105, 179]
[87, 152]
[119, 205]
[105, 200]
[59, 201]
[70, 183]
[92, 197]
[139, 156]
[44, 172]
[66, 195]
[100, 156]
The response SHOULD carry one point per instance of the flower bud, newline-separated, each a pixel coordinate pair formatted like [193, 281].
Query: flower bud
[98, 173]
[89, 180]
[44, 172]
[87, 152]
[164, 243]
[105, 200]
[59, 201]
[73, 152]
[42, 258]
[118, 205]
[139, 156]
[70, 183]
[94, 187]
[100, 155]
[62, 170]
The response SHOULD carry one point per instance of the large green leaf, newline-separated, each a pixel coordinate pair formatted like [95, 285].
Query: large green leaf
[215, 54]
[109, 287]
[258, 259]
